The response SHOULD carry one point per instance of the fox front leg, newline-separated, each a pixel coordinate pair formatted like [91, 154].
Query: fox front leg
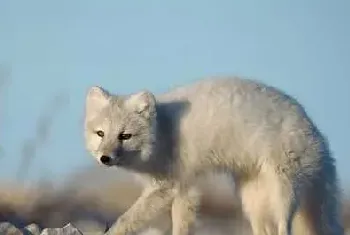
[149, 205]
[184, 210]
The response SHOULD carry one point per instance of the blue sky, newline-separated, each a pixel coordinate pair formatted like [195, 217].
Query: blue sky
[63, 47]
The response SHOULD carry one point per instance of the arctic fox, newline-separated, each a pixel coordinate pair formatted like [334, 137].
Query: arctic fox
[281, 164]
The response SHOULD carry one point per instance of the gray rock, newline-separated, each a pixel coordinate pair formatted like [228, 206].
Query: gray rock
[7, 228]
[90, 227]
[32, 229]
[69, 229]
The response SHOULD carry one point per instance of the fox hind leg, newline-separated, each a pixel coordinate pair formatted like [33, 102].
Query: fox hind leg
[285, 206]
[268, 203]
[254, 196]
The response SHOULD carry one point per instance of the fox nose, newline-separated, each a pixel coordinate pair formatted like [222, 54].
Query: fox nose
[105, 159]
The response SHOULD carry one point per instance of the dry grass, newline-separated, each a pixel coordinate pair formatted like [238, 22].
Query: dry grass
[219, 213]
[104, 205]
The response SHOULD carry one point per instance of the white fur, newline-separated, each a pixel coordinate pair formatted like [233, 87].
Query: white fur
[281, 163]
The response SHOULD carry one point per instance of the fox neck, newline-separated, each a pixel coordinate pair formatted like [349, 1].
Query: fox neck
[161, 161]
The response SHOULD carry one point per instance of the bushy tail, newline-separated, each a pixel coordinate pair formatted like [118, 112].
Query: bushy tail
[320, 209]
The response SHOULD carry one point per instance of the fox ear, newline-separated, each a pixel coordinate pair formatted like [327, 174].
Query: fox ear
[96, 99]
[143, 103]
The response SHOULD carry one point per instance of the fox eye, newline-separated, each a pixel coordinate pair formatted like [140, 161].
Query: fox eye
[100, 133]
[123, 136]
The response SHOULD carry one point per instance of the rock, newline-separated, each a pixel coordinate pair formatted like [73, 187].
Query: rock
[69, 229]
[7, 228]
[90, 227]
[32, 229]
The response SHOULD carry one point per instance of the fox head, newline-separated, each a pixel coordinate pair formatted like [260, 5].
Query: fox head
[120, 130]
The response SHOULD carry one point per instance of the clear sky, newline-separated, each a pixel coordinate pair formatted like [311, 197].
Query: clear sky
[63, 47]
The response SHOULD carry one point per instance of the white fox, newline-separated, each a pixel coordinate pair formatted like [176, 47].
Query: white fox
[281, 164]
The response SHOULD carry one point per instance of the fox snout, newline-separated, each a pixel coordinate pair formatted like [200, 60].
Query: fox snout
[115, 158]
[106, 160]
[110, 161]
